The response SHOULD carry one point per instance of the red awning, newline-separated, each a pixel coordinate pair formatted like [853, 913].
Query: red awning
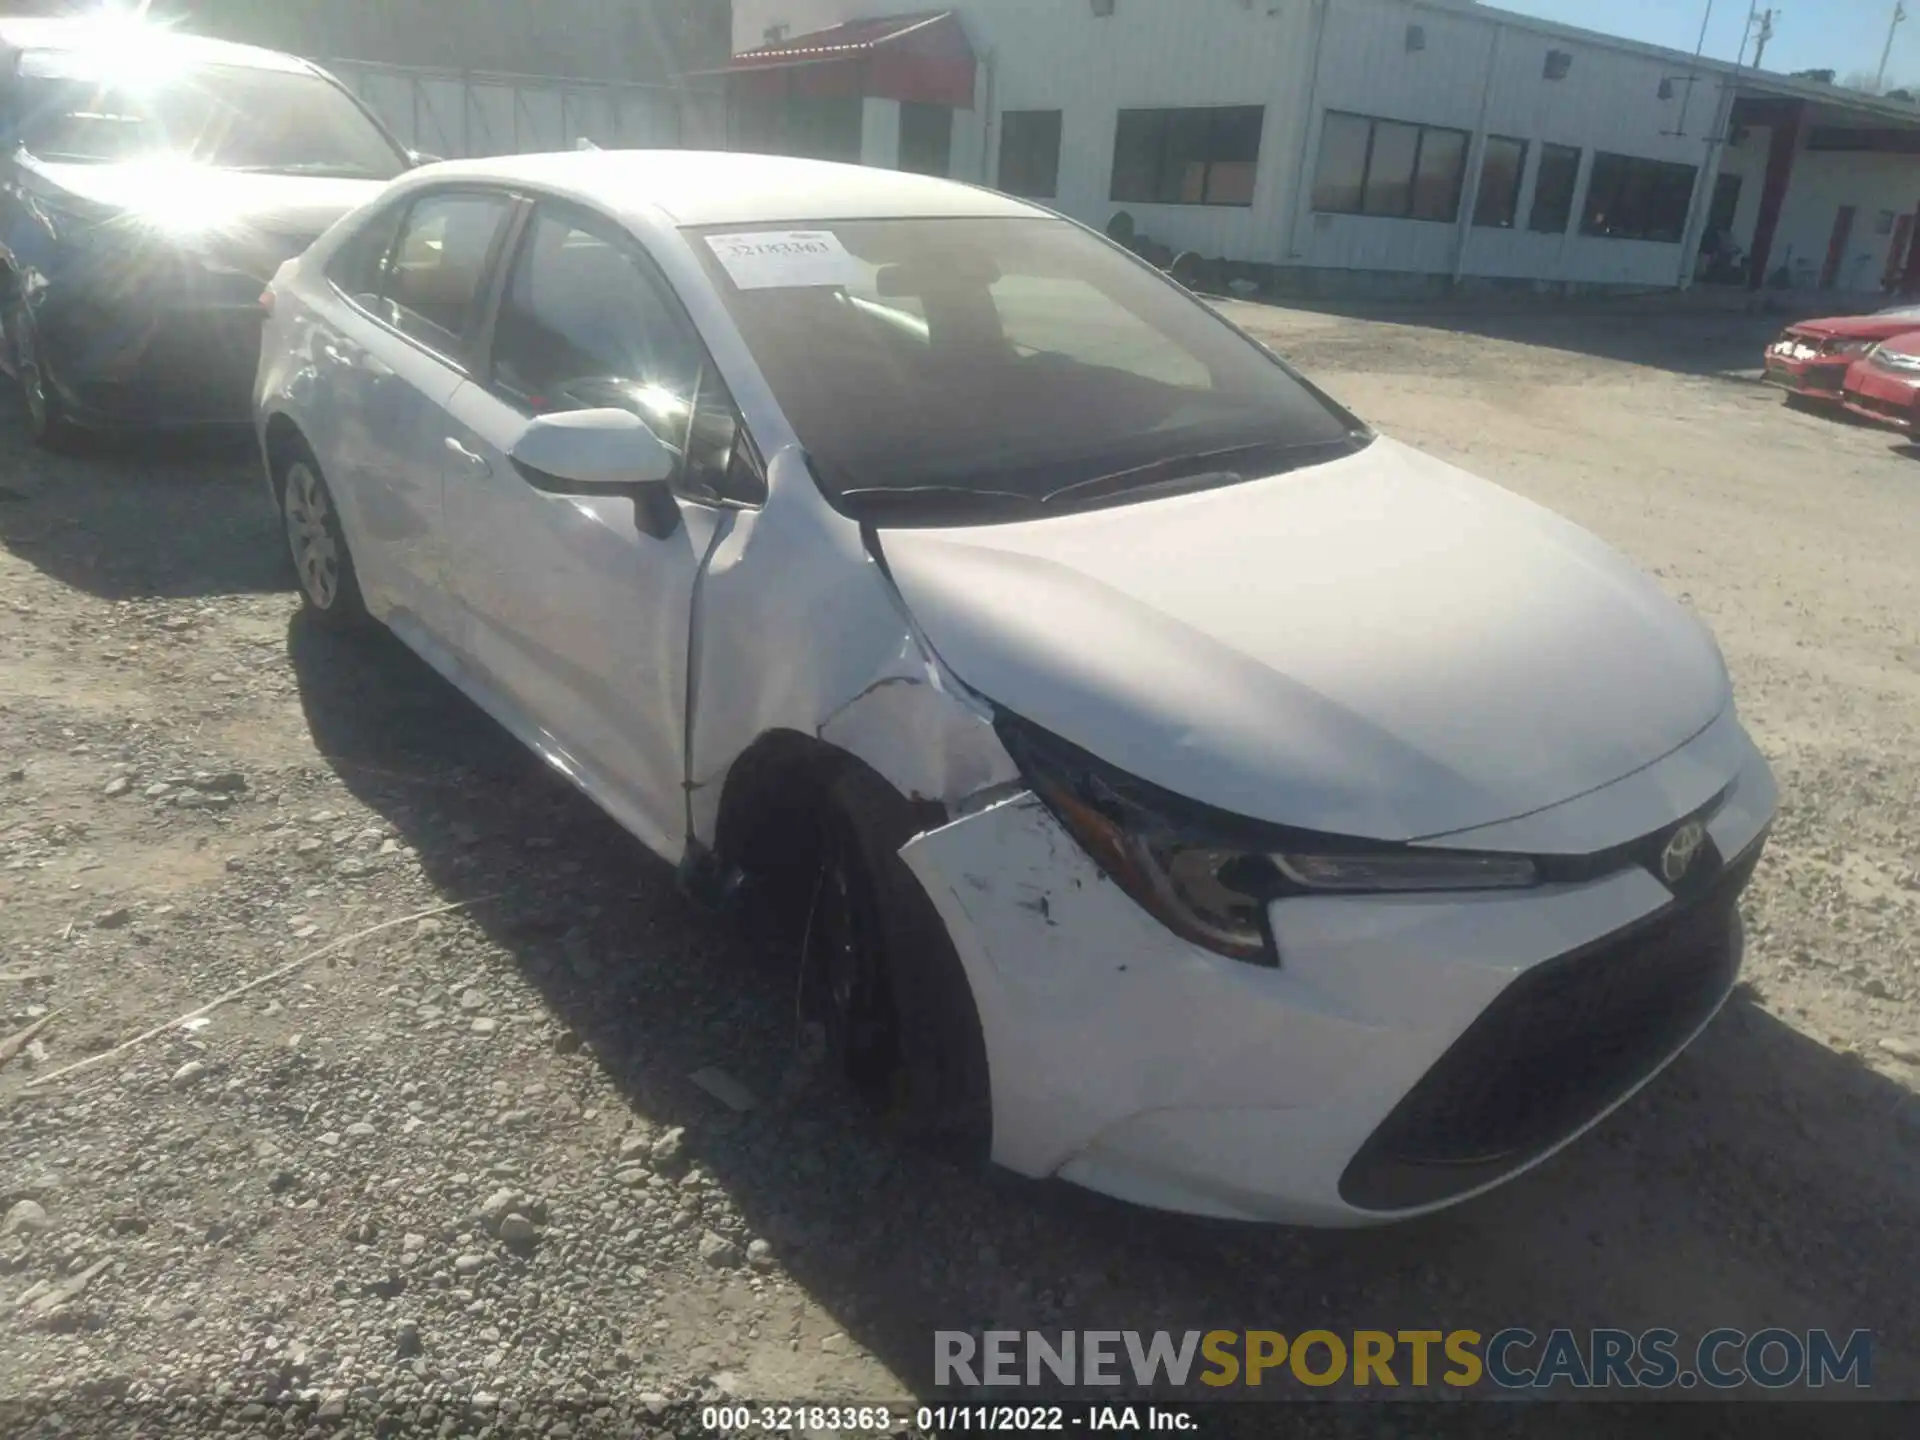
[925, 58]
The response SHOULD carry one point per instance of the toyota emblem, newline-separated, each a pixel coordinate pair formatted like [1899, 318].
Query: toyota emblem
[1677, 859]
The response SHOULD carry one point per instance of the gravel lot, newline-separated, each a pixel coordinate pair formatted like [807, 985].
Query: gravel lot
[459, 1168]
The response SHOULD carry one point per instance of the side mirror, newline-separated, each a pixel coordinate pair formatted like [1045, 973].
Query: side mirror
[601, 452]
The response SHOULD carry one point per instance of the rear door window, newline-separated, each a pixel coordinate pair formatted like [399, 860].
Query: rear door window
[358, 268]
[435, 272]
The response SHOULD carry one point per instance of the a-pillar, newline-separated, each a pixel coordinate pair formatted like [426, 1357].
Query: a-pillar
[1788, 119]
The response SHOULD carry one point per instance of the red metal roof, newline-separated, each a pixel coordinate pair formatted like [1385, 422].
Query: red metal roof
[849, 39]
[924, 57]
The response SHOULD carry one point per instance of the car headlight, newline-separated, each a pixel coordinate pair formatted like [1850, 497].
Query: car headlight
[74, 222]
[1851, 347]
[1209, 876]
[81, 226]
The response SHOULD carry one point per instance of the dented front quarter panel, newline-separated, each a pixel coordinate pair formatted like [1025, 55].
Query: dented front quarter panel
[930, 740]
[1130, 1061]
[1054, 951]
[798, 630]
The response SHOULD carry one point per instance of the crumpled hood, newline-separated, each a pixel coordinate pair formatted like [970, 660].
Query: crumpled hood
[296, 206]
[1383, 646]
[1859, 327]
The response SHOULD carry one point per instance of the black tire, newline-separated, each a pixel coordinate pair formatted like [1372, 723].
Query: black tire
[316, 545]
[47, 421]
[909, 1037]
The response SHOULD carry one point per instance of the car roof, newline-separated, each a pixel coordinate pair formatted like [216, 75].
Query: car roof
[709, 187]
[43, 32]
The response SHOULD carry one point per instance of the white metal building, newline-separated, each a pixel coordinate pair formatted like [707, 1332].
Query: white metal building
[1350, 142]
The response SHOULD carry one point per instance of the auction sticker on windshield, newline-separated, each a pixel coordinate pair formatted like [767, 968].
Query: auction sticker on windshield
[786, 259]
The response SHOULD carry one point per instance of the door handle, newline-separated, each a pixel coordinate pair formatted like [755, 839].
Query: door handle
[472, 457]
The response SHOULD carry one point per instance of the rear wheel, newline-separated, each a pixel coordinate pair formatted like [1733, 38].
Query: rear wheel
[329, 588]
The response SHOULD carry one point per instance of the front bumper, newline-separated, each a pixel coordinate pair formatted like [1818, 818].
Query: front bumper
[175, 347]
[1889, 397]
[1370, 1077]
[1820, 378]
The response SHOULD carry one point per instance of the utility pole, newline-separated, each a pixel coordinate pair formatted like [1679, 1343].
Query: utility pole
[1766, 34]
[1899, 14]
[1698, 50]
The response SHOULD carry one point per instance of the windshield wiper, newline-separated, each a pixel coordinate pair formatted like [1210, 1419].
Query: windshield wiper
[915, 493]
[326, 169]
[1199, 472]
[1160, 477]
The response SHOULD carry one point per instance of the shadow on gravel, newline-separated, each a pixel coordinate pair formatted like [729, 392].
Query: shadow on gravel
[135, 517]
[1760, 1153]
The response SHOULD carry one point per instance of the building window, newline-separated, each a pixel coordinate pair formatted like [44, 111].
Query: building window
[819, 127]
[926, 138]
[1498, 203]
[1340, 181]
[1553, 189]
[1188, 157]
[1384, 167]
[1634, 199]
[1030, 153]
[1439, 173]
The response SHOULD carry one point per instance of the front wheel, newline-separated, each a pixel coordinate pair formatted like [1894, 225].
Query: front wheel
[329, 588]
[47, 421]
[899, 1009]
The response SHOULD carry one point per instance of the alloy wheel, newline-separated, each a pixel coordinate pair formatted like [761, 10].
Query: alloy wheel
[33, 384]
[316, 555]
[847, 955]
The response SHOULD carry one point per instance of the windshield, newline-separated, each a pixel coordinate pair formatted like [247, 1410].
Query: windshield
[947, 371]
[76, 110]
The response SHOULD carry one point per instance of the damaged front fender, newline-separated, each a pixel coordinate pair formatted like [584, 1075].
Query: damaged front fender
[833, 655]
[1061, 962]
[930, 742]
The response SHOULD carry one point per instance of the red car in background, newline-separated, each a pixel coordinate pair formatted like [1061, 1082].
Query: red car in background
[1811, 358]
[1884, 384]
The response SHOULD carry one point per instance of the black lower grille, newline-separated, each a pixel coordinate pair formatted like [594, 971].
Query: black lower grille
[1556, 1048]
[1825, 379]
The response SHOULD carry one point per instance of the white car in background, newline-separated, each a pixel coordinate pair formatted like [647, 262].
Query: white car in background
[1181, 789]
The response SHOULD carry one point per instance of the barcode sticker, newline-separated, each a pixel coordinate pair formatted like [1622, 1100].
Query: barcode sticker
[786, 259]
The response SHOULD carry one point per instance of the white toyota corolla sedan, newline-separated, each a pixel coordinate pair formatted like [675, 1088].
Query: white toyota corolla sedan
[1178, 788]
